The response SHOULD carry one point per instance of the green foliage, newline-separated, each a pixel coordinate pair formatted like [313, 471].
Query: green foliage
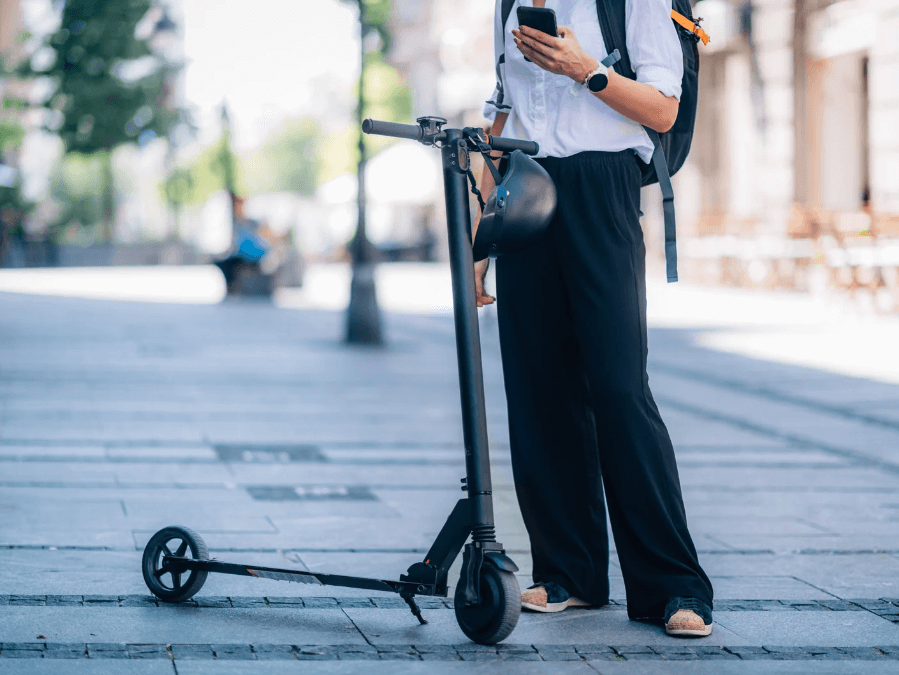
[11, 135]
[387, 97]
[73, 185]
[205, 176]
[288, 161]
[108, 85]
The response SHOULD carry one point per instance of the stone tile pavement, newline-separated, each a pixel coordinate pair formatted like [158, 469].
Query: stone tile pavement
[254, 425]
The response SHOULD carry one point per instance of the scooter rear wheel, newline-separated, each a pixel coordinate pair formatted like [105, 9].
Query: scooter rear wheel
[495, 618]
[163, 582]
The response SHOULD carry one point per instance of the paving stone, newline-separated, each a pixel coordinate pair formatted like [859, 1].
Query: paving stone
[604, 657]
[398, 656]
[633, 649]
[390, 603]
[480, 656]
[185, 652]
[359, 656]
[137, 601]
[249, 603]
[672, 649]
[355, 602]
[352, 648]
[594, 649]
[405, 649]
[4, 600]
[107, 650]
[473, 647]
[22, 654]
[561, 656]
[274, 652]
[101, 600]
[27, 600]
[844, 629]
[504, 647]
[241, 652]
[839, 605]
[60, 650]
[316, 649]
[521, 656]
[217, 602]
[439, 656]
[291, 601]
[66, 600]
[147, 652]
[554, 648]
[320, 602]
[437, 649]
[747, 652]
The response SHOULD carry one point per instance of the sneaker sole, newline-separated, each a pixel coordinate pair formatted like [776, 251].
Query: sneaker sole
[681, 632]
[552, 607]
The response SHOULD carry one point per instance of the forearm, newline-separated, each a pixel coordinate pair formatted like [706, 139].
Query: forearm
[640, 102]
[487, 183]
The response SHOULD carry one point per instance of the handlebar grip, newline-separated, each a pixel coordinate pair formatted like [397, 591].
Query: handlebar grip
[510, 144]
[410, 131]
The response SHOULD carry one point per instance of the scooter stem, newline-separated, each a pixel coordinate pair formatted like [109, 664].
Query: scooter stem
[468, 342]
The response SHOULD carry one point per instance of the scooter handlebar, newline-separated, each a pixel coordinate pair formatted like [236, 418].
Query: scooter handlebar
[510, 144]
[415, 133]
[410, 131]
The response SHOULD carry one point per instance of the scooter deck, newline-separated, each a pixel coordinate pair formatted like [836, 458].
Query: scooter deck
[317, 578]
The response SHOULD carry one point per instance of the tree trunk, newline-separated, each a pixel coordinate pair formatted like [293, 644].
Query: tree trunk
[108, 198]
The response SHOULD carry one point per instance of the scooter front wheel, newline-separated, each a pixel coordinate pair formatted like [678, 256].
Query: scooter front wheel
[167, 584]
[494, 619]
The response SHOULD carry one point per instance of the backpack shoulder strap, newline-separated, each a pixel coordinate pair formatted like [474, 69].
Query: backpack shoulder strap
[611, 15]
[613, 24]
[506, 10]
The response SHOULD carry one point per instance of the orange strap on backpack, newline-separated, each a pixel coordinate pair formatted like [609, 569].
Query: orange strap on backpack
[690, 26]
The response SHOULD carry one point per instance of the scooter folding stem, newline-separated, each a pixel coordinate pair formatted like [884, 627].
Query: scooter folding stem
[468, 344]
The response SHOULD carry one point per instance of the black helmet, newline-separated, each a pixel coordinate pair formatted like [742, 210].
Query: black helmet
[518, 209]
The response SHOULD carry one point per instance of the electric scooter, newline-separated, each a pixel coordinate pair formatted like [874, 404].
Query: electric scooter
[487, 598]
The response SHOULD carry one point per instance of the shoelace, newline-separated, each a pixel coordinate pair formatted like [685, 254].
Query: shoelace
[694, 604]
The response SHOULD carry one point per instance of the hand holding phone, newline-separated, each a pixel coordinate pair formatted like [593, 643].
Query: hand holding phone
[538, 18]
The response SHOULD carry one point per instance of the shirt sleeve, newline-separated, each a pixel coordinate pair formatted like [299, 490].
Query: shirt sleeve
[654, 46]
[499, 101]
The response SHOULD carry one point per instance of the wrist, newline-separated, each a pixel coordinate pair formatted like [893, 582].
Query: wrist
[586, 66]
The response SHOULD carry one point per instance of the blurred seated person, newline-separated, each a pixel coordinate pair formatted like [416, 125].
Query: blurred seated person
[248, 244]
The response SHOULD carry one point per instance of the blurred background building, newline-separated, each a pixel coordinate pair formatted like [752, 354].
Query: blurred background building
[793, 181]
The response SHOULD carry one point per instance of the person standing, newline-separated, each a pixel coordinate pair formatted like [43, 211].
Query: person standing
[572, 320]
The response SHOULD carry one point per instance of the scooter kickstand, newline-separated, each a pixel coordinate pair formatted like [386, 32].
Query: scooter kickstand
[416, 610]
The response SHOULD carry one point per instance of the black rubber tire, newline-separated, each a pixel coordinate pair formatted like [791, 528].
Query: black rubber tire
[496, 617]
[193, 544]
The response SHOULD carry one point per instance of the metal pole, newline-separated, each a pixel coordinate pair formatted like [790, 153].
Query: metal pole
[468, 345]
[363, 315]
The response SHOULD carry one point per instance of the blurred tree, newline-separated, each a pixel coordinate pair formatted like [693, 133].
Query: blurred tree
[107, 86]
[207, 174]
[387, 97]
[13, 205]
[73, 185]
[288, 161]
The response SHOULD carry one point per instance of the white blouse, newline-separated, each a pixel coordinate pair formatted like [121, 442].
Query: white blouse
[566, 119]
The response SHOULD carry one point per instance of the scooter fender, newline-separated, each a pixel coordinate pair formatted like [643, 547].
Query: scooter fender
[502, 561]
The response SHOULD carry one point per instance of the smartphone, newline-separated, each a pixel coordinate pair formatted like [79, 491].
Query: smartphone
[538, 18]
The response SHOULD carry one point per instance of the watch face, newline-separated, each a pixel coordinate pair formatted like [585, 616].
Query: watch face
[598, 82]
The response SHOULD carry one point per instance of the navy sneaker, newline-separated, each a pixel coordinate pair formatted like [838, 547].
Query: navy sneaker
[549, 597]
[688, 617]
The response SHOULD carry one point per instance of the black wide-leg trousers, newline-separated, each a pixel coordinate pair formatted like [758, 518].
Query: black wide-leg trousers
[572, 322]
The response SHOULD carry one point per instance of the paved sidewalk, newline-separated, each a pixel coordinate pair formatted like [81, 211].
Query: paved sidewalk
[254, 425]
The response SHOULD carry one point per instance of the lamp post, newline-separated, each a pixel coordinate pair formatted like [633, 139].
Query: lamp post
[363, 315]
